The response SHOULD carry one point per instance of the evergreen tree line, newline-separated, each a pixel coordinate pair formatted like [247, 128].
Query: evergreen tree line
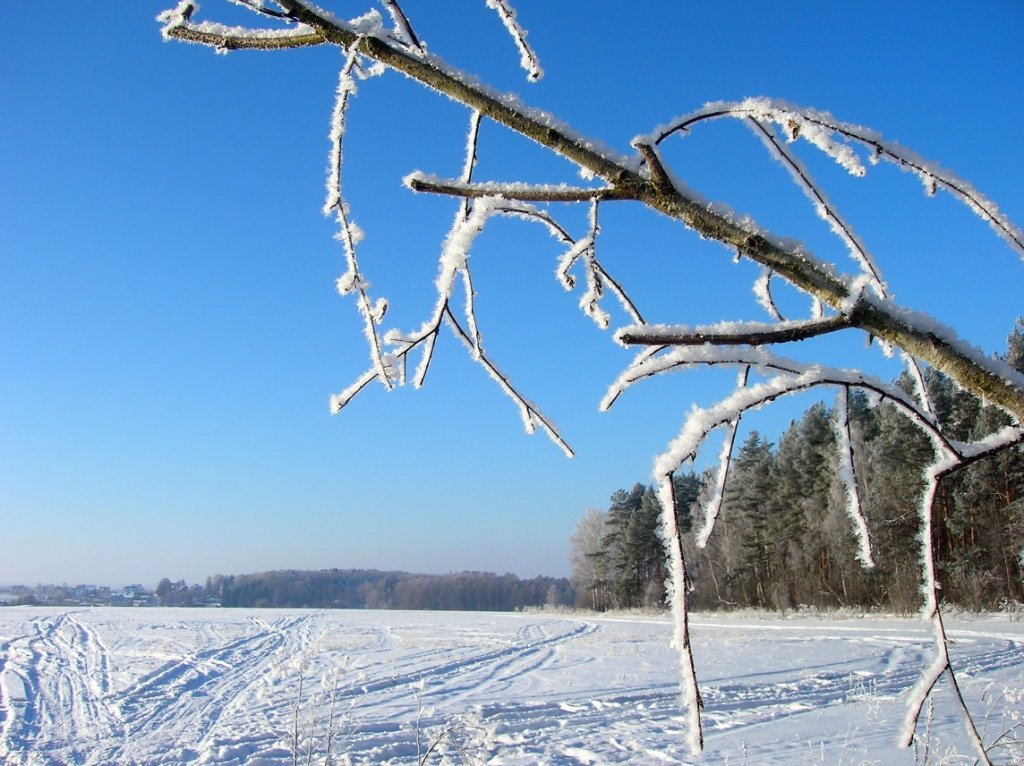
[784, 539]
[370, 589]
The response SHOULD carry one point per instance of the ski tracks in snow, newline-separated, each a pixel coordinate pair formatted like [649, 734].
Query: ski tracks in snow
[194, 700]
[56, 677]
[477, 673]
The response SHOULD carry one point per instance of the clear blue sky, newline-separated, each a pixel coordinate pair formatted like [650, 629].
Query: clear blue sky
[170, 331]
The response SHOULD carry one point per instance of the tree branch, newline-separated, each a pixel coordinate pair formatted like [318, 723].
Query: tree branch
[402, 23]
[236, 38]
[822, 206]
[877, 317]
[731, 334]
[256, 7]
[531, 415]
[420, 182]
[795, 122]
[528, 59]
[659, 174]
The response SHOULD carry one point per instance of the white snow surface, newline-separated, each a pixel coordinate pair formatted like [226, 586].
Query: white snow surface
[210, 686]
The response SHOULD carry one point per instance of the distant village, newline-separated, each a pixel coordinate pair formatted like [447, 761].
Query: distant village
[77, 595]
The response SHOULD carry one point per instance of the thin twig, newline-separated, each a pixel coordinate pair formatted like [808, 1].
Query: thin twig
[824, 208]
[751, 334]
[420, 182]
[531, 415]
[402, 22]
[527, 56]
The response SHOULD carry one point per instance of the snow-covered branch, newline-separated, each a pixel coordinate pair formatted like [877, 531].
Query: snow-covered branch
[403, 29]
[847, 472]
[713, 506]
[177, 25]
[530, 414]
[528, 59]
[790, 376]
[453, 268]
[731, 333]
[834, 138]
[422, 182]
[802, 178]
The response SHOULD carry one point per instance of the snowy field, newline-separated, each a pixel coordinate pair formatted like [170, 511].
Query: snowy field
[166, 686]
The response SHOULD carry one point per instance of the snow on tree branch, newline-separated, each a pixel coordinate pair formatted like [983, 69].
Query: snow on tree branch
[941, 663]
[403, 29]
[790, 376]
[454, 266]
[713, 506]
[834, 138]
[352, 280]
[763, 291]
[802, 178]
[177, 25]
[528, 59]
[731, 333]
[847, 473]
[677, 587]
[423, 182]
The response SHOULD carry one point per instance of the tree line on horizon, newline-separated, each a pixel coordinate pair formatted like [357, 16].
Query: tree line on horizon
[369, 589]
[783, 538]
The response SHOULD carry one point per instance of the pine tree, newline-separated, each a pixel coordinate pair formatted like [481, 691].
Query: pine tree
[746, 505]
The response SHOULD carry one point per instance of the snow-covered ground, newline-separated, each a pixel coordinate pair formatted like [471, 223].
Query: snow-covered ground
[165, 686]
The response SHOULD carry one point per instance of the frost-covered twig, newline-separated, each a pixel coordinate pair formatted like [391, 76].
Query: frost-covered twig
[701, 422]
[825, 210]
[584, 251]
[931, 612]
[257, 6]
[713, 506]
[421, 182]
[462, 217]
[765, 362]
[403, 28]
[472, 138]
[920, 387]
[763, 291]
[832, 136]
[454, 265]
[178, 25]
[847, 473]
[528, 59]
[530, 414]
[678, 585]
[352, 280]
[731, 333]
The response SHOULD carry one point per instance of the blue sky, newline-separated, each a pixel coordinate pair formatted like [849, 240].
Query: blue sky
[172, 335]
